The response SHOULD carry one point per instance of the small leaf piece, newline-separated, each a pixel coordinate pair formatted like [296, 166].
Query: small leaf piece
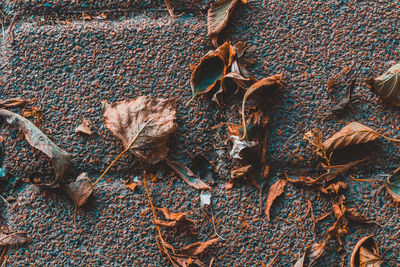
[124, 119]
[352, 134]
[80, 190]
[218, 16]
[84, 127]
[131, 186]
[14, 239]
[198, 247]
[173, 219]
[15, 102]
[387, 86]
[187, 175]
[366, 253]
[203, 168]
[311, 254]
[392, 185]
[274, 191]
[36, 138]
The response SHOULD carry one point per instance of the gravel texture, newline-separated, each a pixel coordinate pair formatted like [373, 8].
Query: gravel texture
[72, 65]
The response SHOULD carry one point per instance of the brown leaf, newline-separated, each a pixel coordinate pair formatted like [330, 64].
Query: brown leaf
[240, 172]
[271, 82]
[352, 134]
[198, 248]
[387, 86]
[333, 171]
[315, 138]
[36, 138]
[274, 191]
[174, 219]
[218, 16]
[366, 253]
[311, 254]
[131, 186]
[353, 215]
[80, 190]
[86, 16]
[84, 127]
[15, 102]
[392, 185]
[125, 119]
[14, 239]
[339, 107]
[239, 146]
[211, 69]
[336, 187]
[187, 175]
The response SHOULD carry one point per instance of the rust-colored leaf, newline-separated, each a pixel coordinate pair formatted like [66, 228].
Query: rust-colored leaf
[187, 175]
[125, 119]
[80, 190]
[311, 254]
[14, 239]
[173, 219]
[131, 186]
[387, 86]
[36, 138]
[392, 185]
[240, 172]
[198, 248]
[336, 187]
[15, 102]
[274, 191]
[84, 127]
[366, 253]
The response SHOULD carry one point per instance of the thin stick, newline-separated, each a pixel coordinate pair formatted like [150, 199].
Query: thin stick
[272, 262]
[75, 211]
[364, 180]
[190, 100]
[120, 155]
[170, 10]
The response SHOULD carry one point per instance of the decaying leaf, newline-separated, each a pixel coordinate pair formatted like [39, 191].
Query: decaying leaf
[84, 127]
[315, 138]
[14, 239]
[174, 219]
[274, 191]
[218, 16]
[392, 185]
[131, 186]
[241, 172]
[239, 146]
[339, 107]
[125, 119]
[15, 102]
[271, 82]
[336, 187]
[211, 69]
[387, 86]
[205, 198]
[203, 168]
[311, 255]
[352, 134]
[187, 175]
[366, 253]
[80, 190]
[198, 248]
[36, 138]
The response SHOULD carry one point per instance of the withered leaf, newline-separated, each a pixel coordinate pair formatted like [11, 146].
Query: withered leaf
[346, 99]
[352, 134]
[240, 172]
[211, 69]
[173, 219]
[387, 86]
[366, 253]
[311, 254]
[15, 102]
[203, 168]
[271, 82]
[131, 186]
[336, 187]
[80, 190]
[36, 138]
[198, 248]
[125, 119]
[218, 16]
[392, 185]
[239, 146]
[84, 127]
[187, 175]
[205, 198]
[14, 239]
[274, 191]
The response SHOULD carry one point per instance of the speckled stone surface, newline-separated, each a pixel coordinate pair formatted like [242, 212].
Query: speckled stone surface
[72, 65]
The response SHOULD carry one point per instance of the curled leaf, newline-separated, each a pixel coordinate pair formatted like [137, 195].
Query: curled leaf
[198, 248]
[84, 127]
[80, 190]
[274, 192]
[241, 172]
[311, 254]
[366, 253]
[211, 69]
[15, 102]
[339, 107]
[14, 239]
[125, 119]
[187, 175]
[173, 219]
[387, 86]
[239, 146]
[336, 187]
[36, 138]
[218, 16]
[266, 83]
[392, 185]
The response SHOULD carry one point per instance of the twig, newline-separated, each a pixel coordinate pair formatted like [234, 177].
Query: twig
[170, 9]
[273, 259]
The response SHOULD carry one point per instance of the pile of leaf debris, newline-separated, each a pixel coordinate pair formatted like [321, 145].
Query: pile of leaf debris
[144, 126]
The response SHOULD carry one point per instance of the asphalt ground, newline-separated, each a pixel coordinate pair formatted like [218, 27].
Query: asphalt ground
[72, 65]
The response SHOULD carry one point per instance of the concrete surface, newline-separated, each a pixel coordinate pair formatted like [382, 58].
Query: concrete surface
[73, 64]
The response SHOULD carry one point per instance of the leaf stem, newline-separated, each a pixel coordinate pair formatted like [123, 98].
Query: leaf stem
[120, 155]
[364, 180]
[190, 100]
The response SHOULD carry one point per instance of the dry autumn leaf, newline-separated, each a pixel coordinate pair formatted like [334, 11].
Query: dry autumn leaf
[80, 190]
[271, 82]
[198, 248]
[125, 119]
[131, 186]
[15, 102]
[274, 191]
[203, 168]
[387, 86]
[173, 219]
[187, 175]
[211, 69]
[37, 139]
[14, 239]
[311, 254]
[366, 253]
[84, 127]
[241, 172]
[392, 185]
[218, 16]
